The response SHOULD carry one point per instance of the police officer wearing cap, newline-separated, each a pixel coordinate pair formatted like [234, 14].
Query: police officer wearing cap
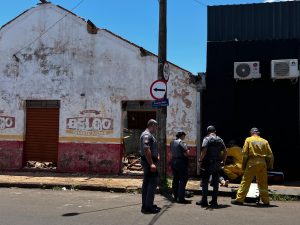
[212, 157]
[149, 160]
[179, 151]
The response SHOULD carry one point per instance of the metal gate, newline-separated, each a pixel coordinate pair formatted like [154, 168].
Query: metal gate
[42, 131]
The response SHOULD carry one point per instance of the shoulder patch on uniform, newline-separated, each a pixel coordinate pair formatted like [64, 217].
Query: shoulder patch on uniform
[146, 139]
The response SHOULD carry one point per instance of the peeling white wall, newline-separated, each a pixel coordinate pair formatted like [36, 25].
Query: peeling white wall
[84, 71]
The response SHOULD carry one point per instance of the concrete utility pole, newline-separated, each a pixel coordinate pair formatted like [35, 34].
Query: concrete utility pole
[162, 111]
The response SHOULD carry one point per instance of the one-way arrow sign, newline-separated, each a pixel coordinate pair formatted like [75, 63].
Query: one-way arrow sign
[158, 89]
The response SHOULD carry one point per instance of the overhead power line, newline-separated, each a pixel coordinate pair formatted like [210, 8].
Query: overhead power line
[49, 28]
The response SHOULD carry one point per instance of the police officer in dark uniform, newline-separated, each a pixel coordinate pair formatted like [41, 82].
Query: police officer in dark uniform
[149, 161]
[210, 162]
[180, 153]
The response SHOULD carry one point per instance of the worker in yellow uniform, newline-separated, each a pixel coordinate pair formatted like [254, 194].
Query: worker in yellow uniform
[233, 168]
[257, 158]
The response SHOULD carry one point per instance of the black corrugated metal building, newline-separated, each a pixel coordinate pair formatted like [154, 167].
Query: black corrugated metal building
[254, 32]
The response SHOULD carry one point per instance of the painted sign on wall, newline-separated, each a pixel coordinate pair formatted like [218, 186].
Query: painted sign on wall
[6, 121]
[91, 123]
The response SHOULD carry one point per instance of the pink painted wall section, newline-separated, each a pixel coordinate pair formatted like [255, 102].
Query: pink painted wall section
[11, 154]
[192, 161]
[82, 157]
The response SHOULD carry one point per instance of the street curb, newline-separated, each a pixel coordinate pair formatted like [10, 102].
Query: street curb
[69, 187]
[95, 188]
[114, 189]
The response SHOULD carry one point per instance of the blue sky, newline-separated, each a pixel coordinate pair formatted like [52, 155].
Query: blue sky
[137, 21]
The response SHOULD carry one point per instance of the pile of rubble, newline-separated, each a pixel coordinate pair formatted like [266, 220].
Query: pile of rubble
[41, 165]
[132, 164]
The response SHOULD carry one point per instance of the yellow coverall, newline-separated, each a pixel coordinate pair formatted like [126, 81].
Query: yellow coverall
[257, 158]
[234, 170]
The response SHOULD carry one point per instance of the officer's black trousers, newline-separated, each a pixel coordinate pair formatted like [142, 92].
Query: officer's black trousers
[180, 177]
[205, 175]
[150, 182]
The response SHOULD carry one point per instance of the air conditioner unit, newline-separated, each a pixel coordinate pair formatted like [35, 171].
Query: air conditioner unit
[246, 70]
[284, 69]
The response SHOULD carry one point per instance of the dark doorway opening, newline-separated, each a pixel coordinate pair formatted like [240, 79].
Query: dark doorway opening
[135, 117]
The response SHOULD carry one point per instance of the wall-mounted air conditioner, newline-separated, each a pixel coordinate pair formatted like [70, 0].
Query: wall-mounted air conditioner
[284, 69]
[246, 70]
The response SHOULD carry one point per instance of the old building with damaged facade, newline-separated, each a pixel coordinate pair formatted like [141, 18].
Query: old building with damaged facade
[70, 92]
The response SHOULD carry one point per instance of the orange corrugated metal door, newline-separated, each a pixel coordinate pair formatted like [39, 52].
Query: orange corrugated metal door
[42, 130]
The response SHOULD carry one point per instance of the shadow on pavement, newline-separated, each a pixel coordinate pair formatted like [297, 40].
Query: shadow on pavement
[164, 209]
[260, 206]
[100, 210]
[155, 218]
[211, 208]
[220, 206]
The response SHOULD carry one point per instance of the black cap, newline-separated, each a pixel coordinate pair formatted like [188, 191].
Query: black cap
[211, 129]
[254, 130]
[152, 122]
[180, 133]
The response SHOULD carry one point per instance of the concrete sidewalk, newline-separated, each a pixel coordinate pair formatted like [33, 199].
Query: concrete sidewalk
[116, 183]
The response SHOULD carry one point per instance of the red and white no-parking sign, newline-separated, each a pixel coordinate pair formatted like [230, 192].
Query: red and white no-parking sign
[158, 89]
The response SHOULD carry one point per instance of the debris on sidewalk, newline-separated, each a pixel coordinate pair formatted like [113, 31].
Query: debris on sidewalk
[40, 165]
[132, 164]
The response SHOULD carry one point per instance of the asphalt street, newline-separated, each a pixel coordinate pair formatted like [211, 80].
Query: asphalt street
[59, 207]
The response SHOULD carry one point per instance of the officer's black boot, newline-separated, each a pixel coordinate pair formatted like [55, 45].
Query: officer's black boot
[203, 202]
[214, 203]
[175, 197]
